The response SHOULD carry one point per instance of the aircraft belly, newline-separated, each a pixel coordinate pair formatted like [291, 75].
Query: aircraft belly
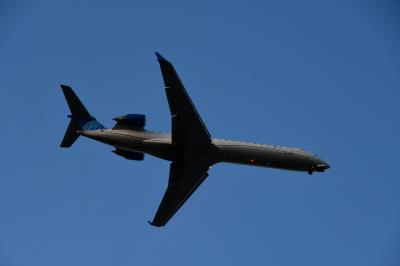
[263, 156]
[161, 147]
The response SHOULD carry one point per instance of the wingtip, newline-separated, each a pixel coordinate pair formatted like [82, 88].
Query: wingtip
[65, 87]
[160, 57]
[152, 224]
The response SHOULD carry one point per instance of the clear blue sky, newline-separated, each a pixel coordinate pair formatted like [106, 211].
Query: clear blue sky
[320, 75]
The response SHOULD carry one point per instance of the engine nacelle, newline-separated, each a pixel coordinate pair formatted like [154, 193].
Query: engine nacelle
[129, 155]
[130, 121]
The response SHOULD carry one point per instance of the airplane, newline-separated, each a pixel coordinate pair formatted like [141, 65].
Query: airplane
[190, 147]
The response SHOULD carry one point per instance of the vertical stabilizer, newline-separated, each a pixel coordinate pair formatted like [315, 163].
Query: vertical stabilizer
[80, 118]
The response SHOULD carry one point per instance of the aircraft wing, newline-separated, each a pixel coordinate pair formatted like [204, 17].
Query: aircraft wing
[184, 179]
[187, 126]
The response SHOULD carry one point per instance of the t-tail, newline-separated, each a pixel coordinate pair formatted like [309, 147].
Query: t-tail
[80, 118]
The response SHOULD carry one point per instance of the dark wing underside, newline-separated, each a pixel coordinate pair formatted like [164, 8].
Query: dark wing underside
[191, 138]
[184, 179]
[187, 125]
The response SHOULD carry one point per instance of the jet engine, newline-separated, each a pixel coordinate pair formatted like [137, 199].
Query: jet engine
[129, 155]
[134, 121]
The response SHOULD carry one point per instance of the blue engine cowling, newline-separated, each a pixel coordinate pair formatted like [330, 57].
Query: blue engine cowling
[130, 121]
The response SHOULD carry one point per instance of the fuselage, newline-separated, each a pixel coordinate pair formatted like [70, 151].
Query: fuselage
[230, 151]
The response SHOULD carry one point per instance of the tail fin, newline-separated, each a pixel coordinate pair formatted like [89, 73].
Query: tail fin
[80, 118]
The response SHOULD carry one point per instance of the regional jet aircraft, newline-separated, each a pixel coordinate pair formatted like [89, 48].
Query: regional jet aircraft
[189, 147]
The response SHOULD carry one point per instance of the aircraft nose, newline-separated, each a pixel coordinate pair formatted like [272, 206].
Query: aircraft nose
[321, 166]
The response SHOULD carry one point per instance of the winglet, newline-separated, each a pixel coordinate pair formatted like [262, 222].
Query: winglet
[160, 57]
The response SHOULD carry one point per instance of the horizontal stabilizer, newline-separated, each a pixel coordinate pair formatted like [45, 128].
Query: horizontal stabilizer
[70, 135]
[75, 105]
[80, 118]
